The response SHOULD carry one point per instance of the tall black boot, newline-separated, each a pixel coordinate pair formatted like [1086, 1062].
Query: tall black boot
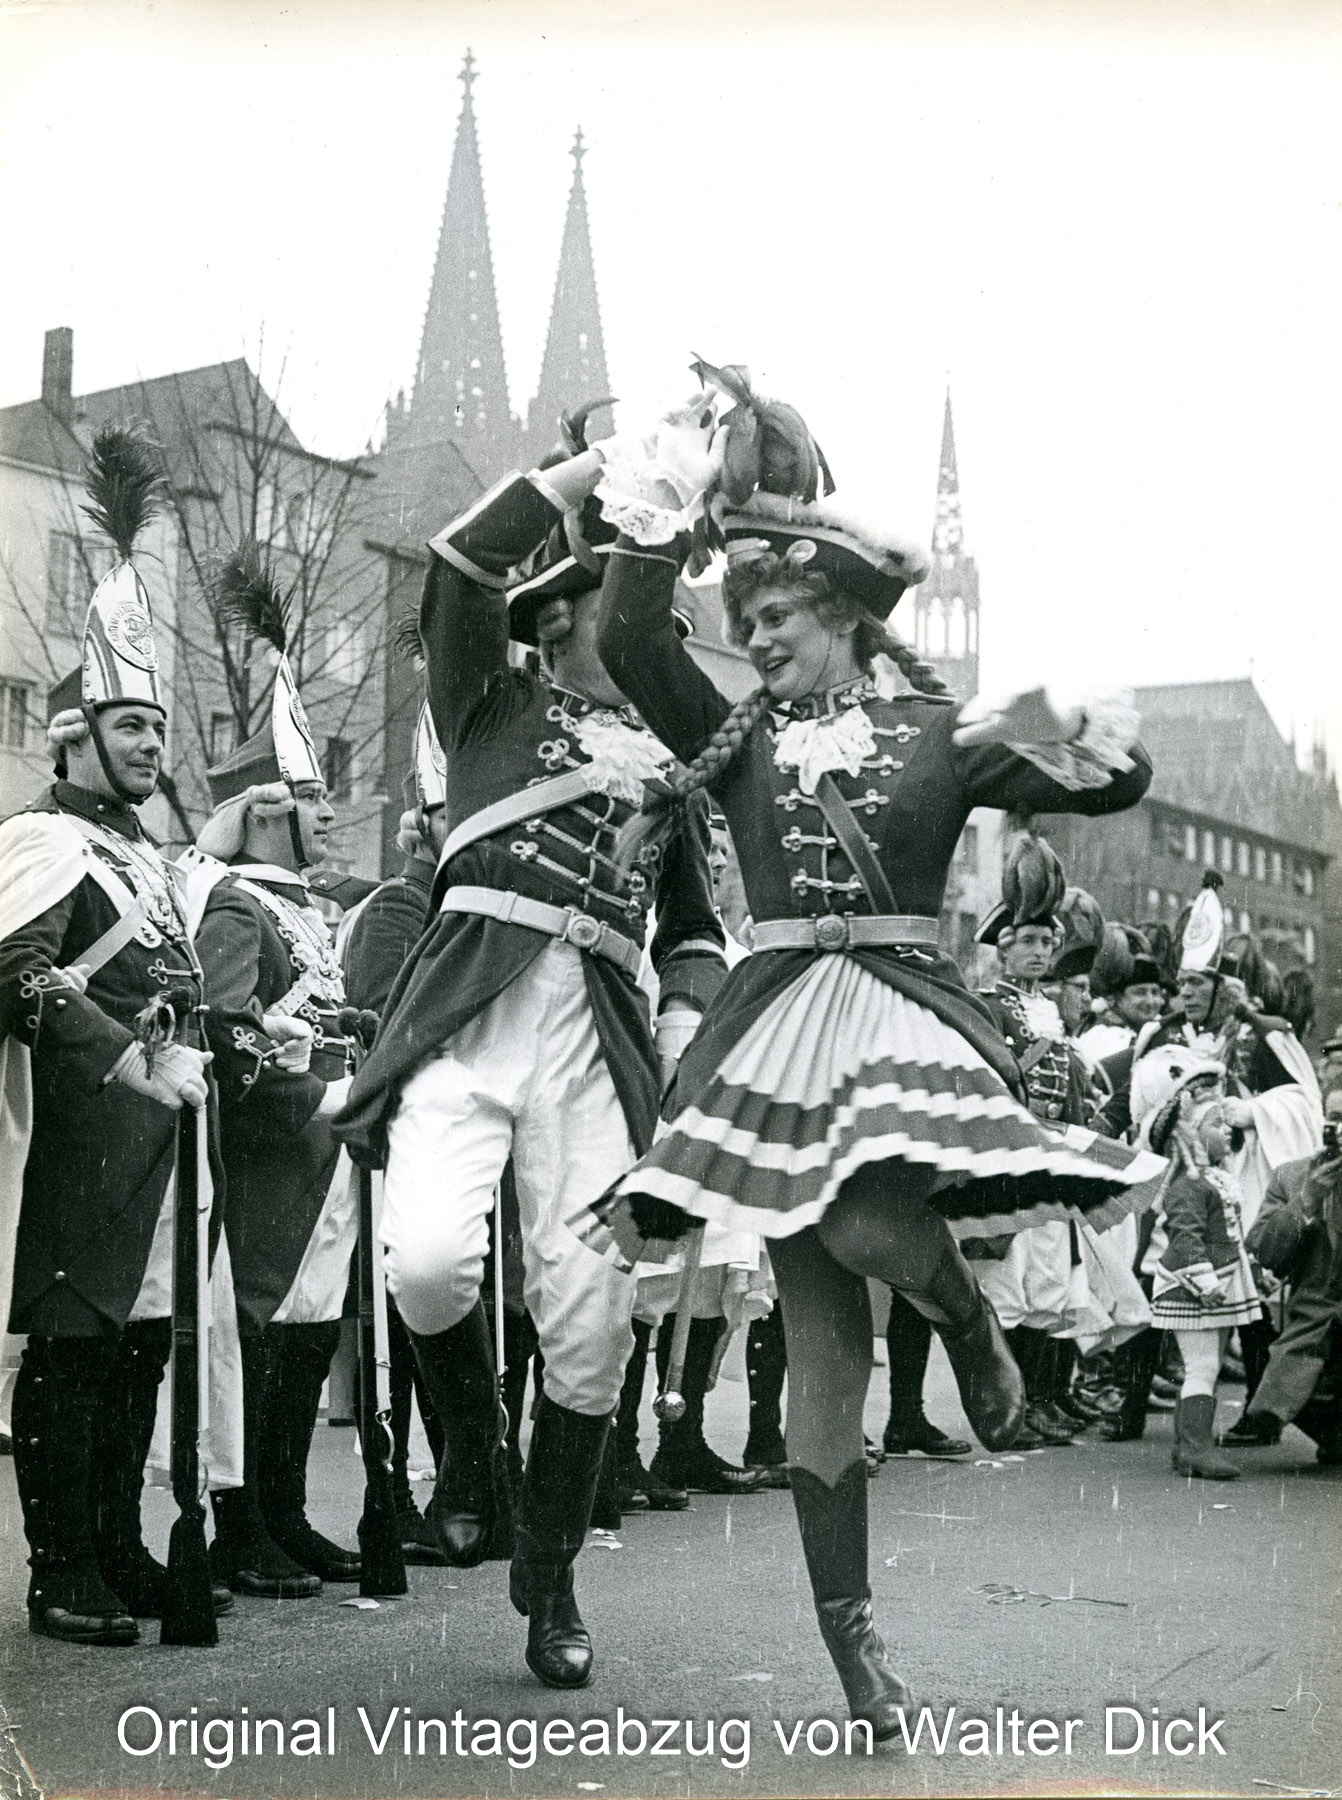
[557, 1492]
[606, 1500]
[300, 1357]
[123, 1429]
[766, 1371]
[1141, 1357]
[470, 1509]
[56, 1395]
[991, 1390]
[909, 1432]
[419, 1541]
[683, 1457]
[1255, 1345]
[833, 1525]
[243, 1554]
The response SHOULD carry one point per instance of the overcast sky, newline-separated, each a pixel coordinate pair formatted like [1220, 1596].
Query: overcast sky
[1117, 231]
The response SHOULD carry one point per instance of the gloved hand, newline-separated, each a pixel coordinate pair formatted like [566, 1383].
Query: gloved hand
[554, 621]
[337, 1092]
[178, 1079]
[653, 484]
[1036, 717]
[294, 1036]
[75, 978]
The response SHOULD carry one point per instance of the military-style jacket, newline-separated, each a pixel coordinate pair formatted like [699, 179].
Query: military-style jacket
[1055, 1078]
[101, 1155]
[503, 730]
[388, 925]
[911, 796]
[263, 947]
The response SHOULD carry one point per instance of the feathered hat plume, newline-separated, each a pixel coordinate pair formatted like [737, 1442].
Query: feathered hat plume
[246, 593]
[768, 444]
[1033, 885]
[125, 486]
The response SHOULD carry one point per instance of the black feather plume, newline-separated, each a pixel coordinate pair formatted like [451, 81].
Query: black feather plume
[245, 592]
[124, 483]
[406, 638]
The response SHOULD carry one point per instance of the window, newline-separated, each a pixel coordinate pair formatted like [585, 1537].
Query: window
[1173, 906]
[343, 657]
[1152, 901]
[14, 715]
[1260, 863]
[1173, 833]
[1191, 842]
[221, 736]
[1245, 923]
[1276, 868]
[1309, 944]
[1307, 881]
[1227, 855]
[1209, 849]
[74, 569]
[1243, 859]
[338, 766]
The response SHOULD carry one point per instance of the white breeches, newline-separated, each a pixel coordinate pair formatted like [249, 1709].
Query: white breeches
[317, 1292]
[526, 1077]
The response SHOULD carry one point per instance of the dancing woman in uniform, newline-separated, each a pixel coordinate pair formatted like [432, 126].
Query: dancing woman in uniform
[846, 1096]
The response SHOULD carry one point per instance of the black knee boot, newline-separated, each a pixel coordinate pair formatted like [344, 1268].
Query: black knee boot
[1140, 1359]
[470, 1510]
[908, 1339]
[299, 1360]
[419, 1541]
[56, 1395]
[243, 1555]
[683, 1457]
[991, 1390]
[123, 1429]
[766, 1371]
[557, 1491]
[833, 1525]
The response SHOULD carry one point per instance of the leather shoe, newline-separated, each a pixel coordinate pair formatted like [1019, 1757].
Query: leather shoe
[703, 1471]
[919, 1437]
[664, 1495]
[419, 1541]
[772, 1475]
[313, 1551]
[1039, 1421]
[1253, 1431]
[82, 1628]
[559, 1645]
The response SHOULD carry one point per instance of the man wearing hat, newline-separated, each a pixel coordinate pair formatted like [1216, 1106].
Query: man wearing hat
[276, 993]
[94, 937]
[518, 1027]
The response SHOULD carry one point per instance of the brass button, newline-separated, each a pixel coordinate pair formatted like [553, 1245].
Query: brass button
[60, 1275]
[1054, 1110]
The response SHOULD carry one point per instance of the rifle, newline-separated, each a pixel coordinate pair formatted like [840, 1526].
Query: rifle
[382, 1569]
[188, 1608]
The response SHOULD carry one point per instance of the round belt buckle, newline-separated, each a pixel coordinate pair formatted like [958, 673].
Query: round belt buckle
[583, 931]
[1054, 1110]
[831, 933]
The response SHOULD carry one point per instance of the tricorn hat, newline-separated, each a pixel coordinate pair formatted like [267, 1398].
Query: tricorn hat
[1082, 931]
[864, 560]
[283, 749]
[1123, 960]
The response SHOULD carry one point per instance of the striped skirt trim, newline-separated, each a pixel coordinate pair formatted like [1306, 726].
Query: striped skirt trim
[843, 1070]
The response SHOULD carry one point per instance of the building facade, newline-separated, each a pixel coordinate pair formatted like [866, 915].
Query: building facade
[1228, 794]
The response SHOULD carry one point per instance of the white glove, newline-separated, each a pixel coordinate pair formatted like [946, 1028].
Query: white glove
[337, 1092]
[1031, 718]
[75, 978]
[178, 1079]
[294, 1036]
[653, 484]
[1202, 1280]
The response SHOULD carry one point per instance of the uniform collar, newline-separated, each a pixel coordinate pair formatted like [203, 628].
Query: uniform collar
[833, 700]
[100, 809]
[581, 706]
[273, 875]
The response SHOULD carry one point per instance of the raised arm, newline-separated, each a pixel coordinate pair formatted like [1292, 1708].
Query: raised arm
[641, 649]
[1034, 755]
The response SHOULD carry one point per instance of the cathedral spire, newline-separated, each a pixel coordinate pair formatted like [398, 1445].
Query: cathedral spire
[948, 535]
[461, 385]
[574, 366]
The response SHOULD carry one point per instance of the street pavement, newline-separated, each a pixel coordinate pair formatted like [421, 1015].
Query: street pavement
[1052, 1586]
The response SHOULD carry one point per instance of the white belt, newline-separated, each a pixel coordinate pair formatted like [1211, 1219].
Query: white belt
[565, 922]
[843, 931]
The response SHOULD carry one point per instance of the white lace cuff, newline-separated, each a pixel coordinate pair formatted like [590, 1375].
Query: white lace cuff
[1098, 751]
[643, 495]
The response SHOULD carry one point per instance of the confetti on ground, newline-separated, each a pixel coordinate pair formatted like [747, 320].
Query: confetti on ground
[1222, 1506]
[360, 1604]
[757, 1675]
[604, 1540]
[1001, 1593]
[591, 1787]
[942, 1517]
[985, 1462]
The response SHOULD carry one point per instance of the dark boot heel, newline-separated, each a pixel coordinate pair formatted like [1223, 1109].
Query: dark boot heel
[559, 1645]
[872, 1688]
[561, 1477]
[469, 1510]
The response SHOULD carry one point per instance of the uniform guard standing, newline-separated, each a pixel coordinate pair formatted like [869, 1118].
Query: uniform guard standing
[518, 1026]
[276, 991]
[94, 934]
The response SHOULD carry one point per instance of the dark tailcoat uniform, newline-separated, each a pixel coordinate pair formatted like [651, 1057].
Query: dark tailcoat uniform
[911, 799]
[1304, 1368]
[279, 1155]
[388, 926]
[502, 730]
[1054, 1074]
[101, 1155]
